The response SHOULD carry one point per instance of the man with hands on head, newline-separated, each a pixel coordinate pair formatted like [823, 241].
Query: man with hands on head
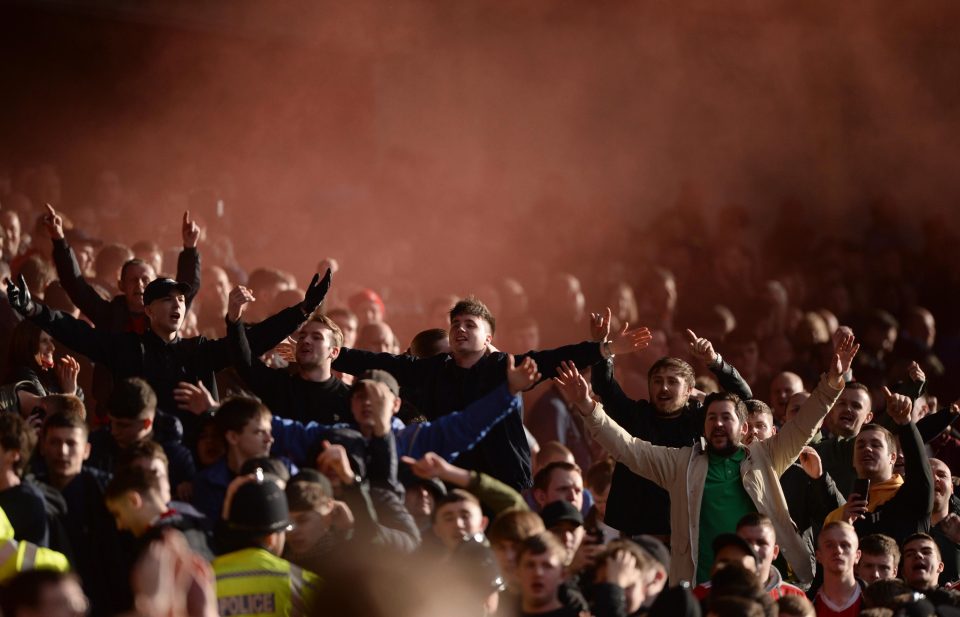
[895, 506]
[471, 369]
[711, 487]
[159, 355]
[125, 312]
[672, 417]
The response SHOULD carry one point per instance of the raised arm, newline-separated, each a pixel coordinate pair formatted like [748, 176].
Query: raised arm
[188, 263]
[74, 333]
[266, 334]
[918, 480]
[455, 433]
[617, 404]
[784, 447]
[259, 377]
[589, 353]
[658, 464]
[727, 376]
[71, 278]
[492, 493]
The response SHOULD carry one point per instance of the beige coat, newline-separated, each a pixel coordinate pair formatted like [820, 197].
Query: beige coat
[682, 472]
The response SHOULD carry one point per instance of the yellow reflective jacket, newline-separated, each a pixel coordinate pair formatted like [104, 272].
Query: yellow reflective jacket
[254, 582]
[19, 556]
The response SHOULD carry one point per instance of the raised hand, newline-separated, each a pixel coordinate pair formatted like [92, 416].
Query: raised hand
[855, 508]
[431, 466]
[54, 223]
[600, 325]
[316, 291]
[190, 231]
[237, 302]
[916, 373]
[19, 297]
[627, 341]
[845, 348]
[67, 370]
[811, 463]
[334, 462]
[519, 378]
[573, 387]
[193, 398]
[622, 569]
[951, 527]
[899, 407]
[701, 348]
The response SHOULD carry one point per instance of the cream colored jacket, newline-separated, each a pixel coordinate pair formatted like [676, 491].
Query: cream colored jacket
[682, 472]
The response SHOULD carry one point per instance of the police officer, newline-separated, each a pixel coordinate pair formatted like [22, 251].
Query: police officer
[22, 556]
[254, 580]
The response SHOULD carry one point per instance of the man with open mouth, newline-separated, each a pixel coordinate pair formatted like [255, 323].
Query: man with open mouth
[714, 483]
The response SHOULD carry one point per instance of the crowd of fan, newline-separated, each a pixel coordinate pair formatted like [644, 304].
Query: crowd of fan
[746, 430]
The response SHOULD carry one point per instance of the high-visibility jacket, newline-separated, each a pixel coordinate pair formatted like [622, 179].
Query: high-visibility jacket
[253, 581]
[19, 556]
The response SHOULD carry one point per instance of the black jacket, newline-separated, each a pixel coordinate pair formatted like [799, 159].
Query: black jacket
[438, 387]
[113, 315]
[289, 396]
[908, 512]
[160, 363]
[636, 505]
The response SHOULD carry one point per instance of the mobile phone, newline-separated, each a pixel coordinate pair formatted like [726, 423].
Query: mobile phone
[861, 486]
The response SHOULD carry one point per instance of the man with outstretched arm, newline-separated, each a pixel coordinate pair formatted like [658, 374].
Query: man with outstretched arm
[672, 417]
[453, 380]
[125, 312]
[159, 355]
[712, 487]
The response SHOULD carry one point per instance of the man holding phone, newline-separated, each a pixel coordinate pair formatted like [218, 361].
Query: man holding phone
[882, 501]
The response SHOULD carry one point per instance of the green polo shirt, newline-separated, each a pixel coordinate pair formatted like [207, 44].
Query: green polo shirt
[724, 503]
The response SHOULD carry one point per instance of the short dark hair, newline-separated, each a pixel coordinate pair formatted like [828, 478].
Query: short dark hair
[236, 412]
[66, 404]
[755, 407]
[515, 526]
[887, 435]
[600, 475]
[131, 478]
[542, 479]
[65, 419]
[543, 542]
[25, 590]
[305, 495]
[879, 544]
[456, 495]
[426, 344]
[857, 385]
[755, 519]
[681, 366]
[132, 398]
[885, 592]
[799, 606]
[127, 263]
[920, 536]
[738, 406]
[471, 305]
[145, 448]
[735, 606]
[16, 434]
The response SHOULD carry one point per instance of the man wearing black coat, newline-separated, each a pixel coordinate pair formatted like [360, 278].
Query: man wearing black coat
[672, 417]
[450, 381]
[159, 355]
